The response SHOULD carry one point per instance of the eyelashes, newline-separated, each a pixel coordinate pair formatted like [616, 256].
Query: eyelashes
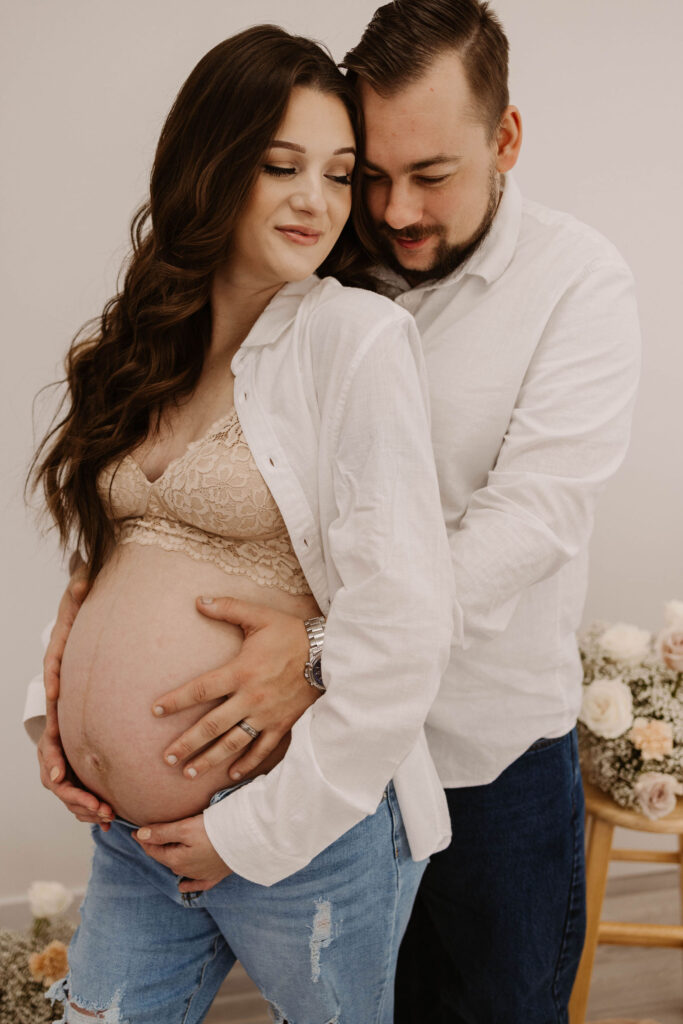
[282, 172]
[278, 172]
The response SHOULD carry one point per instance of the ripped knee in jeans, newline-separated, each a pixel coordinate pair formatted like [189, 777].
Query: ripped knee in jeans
[75, 1013]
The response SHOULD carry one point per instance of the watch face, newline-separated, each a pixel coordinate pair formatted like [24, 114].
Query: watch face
[317, 671]
[313, 672]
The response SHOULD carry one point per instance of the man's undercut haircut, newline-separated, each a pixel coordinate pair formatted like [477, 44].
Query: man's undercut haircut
[404, 38]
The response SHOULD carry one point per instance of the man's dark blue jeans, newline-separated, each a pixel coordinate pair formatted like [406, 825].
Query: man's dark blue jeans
[498, 926]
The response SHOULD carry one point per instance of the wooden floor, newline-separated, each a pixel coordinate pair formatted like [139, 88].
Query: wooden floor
[627, 982]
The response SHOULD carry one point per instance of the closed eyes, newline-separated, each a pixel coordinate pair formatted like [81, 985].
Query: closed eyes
[281, 172]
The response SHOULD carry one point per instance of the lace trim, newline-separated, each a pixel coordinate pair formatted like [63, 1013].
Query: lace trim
[269, 563]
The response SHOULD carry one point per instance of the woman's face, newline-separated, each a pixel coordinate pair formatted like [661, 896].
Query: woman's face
[302, 196]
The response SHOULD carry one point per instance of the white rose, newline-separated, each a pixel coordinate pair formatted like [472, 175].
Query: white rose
[607, 708]
[657, 794]
[48, 898]
[673, 613]
[625, 643]
[669, 646]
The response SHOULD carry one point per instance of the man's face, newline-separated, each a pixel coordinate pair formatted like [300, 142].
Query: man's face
[432, 180]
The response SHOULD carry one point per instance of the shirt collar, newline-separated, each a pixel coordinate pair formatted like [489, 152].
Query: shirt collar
[488, 262]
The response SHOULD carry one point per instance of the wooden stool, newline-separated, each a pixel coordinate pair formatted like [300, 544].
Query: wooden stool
[602, 815]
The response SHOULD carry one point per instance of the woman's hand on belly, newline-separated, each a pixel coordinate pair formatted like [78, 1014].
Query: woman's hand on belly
[57, 775]
[264, 684]
[184, 847]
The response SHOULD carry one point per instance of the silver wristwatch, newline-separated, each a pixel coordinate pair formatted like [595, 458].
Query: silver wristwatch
[315, 629]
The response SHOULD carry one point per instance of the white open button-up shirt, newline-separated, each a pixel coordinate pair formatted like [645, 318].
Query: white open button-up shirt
[332, 399]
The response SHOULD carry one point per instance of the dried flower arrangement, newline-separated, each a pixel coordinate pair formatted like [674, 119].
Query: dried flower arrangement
[631, 719]
[31, 961]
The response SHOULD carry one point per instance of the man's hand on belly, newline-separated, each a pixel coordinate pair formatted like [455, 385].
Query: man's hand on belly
[264, 684]
[184, 848]
[54, 774]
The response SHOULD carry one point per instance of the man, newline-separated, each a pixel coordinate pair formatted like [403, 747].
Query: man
[530, 336]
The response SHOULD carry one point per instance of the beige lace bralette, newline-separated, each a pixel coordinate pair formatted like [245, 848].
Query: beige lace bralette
[212, 504]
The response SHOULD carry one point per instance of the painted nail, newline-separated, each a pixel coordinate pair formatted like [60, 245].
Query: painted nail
[54, 774]
[206, 600]
[171, 759]
[144, 833]
[192, 772]
[158, 710]
[236, 775]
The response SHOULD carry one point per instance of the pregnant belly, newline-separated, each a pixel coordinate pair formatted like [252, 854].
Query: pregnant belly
[137, 635]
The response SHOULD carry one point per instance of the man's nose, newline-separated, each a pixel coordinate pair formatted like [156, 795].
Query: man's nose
[403, 207]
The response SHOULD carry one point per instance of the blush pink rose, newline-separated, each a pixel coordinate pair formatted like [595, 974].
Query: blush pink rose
[653, 738]
[657, 794]
[670, 647]
[673, 613]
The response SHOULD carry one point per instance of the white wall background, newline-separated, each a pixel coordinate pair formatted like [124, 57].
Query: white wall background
[85, 87]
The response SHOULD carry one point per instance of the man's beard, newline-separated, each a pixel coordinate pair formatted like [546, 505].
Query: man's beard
[447, 258]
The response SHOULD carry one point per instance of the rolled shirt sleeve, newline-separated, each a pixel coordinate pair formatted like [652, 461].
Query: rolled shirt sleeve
[34, 705]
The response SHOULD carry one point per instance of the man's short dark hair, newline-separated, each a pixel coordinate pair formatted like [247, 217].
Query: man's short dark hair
[404, 38]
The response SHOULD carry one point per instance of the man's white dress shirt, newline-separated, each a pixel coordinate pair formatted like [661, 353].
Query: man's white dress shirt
[332, 399]
[532, 352]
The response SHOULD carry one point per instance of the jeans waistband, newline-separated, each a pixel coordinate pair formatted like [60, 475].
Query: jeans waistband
[545, 742]
[218, 795]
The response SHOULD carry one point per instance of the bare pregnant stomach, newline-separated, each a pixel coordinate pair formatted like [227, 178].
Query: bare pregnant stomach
[137, 635]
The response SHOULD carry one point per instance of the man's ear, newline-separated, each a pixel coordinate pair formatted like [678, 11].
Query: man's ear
[508, 139]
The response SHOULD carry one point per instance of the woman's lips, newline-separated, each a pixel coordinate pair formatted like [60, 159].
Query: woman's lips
[300, 236]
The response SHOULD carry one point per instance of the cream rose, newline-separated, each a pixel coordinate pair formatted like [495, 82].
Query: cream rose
[607, 707]
[48, 898]
[622, 642]
[669, 647]
[653, 738]
[657, 794]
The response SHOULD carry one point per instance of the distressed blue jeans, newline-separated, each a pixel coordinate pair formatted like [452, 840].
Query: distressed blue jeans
[321, 945]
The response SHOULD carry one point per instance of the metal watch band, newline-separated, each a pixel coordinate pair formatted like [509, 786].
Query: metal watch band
[315, 630]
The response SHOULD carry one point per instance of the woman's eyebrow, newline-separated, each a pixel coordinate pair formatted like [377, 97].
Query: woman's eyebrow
[281, 144]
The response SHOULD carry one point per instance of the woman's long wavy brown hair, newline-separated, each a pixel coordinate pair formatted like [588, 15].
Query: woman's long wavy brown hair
[147, 349]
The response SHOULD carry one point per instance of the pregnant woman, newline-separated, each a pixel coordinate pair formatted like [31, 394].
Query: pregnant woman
[236, 422]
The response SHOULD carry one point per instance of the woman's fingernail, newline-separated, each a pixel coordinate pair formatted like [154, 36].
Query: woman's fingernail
[54, 774]
[235, 775]
[158, 710]
[192, 772]
[144, 833]
[171, 759]
[206, 600]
